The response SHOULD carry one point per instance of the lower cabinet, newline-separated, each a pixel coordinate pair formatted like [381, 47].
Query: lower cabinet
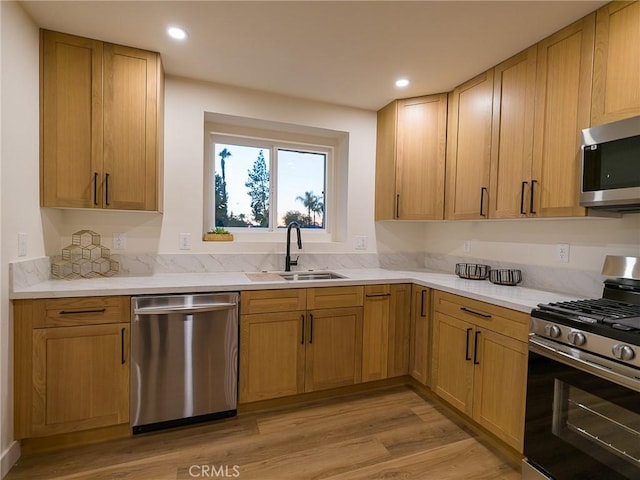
[479, 363]
[71, 364]
[302, 350]
[419, 334]
[386, 331]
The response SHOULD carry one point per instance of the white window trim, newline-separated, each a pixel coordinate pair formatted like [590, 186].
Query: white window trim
[314, 234]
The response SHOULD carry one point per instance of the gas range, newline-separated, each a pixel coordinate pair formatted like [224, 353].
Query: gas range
[607, 326]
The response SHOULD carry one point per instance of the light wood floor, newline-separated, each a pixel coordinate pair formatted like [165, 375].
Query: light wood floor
[391, 433]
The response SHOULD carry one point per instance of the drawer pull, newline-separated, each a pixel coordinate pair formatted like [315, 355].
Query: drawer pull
[374, 295]
[302, 320]
[483, 315]
[422, 312]
[475, 349]
[122, 346]
[79, 312]
[311, 328]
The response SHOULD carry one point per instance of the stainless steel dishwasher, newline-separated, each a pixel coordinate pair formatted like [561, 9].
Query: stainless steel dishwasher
[184, 359]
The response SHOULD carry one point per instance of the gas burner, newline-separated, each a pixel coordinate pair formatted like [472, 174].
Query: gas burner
[601, 310]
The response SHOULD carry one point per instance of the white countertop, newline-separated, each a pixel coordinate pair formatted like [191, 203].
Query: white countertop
[516, 298]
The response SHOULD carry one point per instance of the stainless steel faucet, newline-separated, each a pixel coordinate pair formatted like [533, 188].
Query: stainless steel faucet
[287, 260]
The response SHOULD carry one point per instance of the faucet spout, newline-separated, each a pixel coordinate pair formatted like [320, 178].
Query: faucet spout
[287, 259]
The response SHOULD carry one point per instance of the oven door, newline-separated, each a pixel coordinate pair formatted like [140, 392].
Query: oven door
[583, 414]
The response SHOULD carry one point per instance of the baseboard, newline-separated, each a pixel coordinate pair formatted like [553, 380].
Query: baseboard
[9, 457]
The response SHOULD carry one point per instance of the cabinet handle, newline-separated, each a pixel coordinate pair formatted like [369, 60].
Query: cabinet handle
[466, 348]
[95, 188]
[533, 184]
[106, 189]
[483, 315]
[302, 339]
[422, 312]
[398, 205]
[122, 345]
[374, 295]
[79, 312]
[311, 328]
[524, 184]
[475, 348]
[482, 190]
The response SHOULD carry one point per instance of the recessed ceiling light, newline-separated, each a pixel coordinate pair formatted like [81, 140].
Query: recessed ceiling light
[177, 33]
[401, 83]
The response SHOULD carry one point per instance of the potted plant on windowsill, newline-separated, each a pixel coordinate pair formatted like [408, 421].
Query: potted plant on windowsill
[218, 234]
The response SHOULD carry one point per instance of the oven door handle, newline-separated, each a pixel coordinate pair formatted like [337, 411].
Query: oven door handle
[632, 380]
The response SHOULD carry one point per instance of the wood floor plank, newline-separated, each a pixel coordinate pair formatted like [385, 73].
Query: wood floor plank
[388, 433]
[317, 463]
[466, 459]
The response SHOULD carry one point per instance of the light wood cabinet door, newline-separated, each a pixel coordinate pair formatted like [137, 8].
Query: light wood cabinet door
[616, 69]
[500, 382]
[334, 348]
[562, 110]
[272, 355]
[80, 378]
[452, 361]
[70, 121]
[469, 149]
[512, 136]
[375, 332]
[419, 334]
[399, 329]
[410, 159]
[131, 85]
[101, 124]
[420, 168]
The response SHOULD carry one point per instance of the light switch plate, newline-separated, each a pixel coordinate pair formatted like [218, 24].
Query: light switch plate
[22, 244]
[185, 241]
[119, 241]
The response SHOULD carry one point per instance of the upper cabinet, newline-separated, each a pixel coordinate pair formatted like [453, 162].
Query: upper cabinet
[410, 160]
[563, 93]
[616, 70]
[101, 124]
[512, 135]
[469, 149]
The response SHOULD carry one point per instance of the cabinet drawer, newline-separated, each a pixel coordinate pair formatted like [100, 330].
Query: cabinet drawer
[268, 301]
[334, 297]
[65, 312]
[499, 319]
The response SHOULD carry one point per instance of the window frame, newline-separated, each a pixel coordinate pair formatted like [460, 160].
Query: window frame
[273, 145]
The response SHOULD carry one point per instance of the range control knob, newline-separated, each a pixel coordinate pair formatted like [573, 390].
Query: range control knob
[552, 331]
[577, 338]
[623, 352]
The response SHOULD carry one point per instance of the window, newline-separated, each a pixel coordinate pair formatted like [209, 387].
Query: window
[266, 184]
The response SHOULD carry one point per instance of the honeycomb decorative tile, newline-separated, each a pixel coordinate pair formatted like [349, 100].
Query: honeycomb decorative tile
[85, 258]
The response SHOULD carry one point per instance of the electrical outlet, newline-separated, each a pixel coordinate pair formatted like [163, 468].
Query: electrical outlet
[466, 246]
[22, 244]
[185, 241]
[361, 242]
[562, 253]
[119, 241]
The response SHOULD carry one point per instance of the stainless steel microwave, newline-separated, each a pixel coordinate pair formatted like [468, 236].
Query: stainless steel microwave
[611, 166]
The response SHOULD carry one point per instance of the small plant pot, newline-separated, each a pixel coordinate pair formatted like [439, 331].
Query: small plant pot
[218, 237]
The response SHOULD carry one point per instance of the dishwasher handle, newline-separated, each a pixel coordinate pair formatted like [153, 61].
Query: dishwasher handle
[188, 309]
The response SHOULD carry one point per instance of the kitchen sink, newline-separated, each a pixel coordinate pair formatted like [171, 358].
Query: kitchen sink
[297, 276]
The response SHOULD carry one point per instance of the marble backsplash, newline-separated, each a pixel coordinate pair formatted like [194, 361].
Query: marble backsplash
[583, 283]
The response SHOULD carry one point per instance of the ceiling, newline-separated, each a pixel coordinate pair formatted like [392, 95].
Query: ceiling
[342, 52]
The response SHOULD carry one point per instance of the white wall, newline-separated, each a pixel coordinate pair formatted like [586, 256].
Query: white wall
[19, 168]
[186, 102]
